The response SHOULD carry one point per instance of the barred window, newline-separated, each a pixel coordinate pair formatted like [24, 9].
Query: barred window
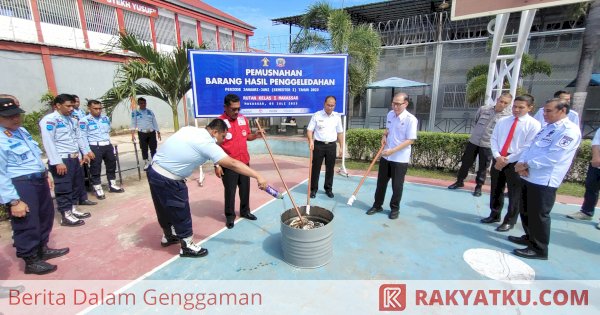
[15, 8]
[209, 37]
[226, 42]
[240, 44]
[138, 25]
[188, 32]
[59, 12]
[165, 31]
[100, 17]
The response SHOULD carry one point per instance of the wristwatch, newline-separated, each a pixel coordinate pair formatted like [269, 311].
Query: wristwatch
[14, 202]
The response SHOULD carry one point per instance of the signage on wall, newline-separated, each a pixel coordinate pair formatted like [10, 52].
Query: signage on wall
[131, 5]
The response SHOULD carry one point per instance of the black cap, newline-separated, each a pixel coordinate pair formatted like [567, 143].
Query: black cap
[8, 107]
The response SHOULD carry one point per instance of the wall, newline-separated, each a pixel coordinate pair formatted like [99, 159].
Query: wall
[23, 76]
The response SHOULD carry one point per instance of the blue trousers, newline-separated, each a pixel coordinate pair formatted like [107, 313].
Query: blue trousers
[68, 187]
[104, 153]
[33, 230]
[592, 187]
[171, 202]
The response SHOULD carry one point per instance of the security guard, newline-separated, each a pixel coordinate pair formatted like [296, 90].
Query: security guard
[78, 113]
[324, 128]
[95, 128]
[176, 159]
[144, 121]
[479, 142]
[400, 134]
[64, 147]
[563, 95]
[24, 188]
[235, 145]
[543, 167]
[511, 136]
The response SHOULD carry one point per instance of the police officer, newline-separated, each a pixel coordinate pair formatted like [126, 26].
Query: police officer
[323, 130]
[64, 147]
[96, 130]
[78, 113]
[24, 189]
[176, 159]
[479, 142]
[511, 136]
[542, 167]
[400, 134]
[144, 121]
[572, 115]
[235, 146]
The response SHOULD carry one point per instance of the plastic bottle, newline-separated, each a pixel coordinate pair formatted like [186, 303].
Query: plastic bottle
[273, 192]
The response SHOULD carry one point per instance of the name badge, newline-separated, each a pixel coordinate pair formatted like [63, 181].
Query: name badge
[241, 121]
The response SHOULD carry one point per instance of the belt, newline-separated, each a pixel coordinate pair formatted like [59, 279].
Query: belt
[69, 156]
[39, 175]
[146, 130]
[100, 143]
[165, 173]
[324, 142]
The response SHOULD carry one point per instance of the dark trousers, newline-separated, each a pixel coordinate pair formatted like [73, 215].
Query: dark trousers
[147, 140]
[104, 153]
[232, 180]
[501, 179]
[68, 187]
[171, 203]
[322, 152]
[592, 186]
[468, 158]
[33, 230]
[537, 203]
[396, 171]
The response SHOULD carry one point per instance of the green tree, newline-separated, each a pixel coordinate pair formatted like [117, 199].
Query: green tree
[361, 42]
[162, 75]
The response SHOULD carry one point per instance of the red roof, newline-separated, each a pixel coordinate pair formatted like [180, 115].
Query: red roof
[205, 7]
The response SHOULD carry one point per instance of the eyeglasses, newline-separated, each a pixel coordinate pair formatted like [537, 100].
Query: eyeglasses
[398, 104]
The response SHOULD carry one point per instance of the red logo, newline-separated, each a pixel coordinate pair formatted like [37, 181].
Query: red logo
[392, 297]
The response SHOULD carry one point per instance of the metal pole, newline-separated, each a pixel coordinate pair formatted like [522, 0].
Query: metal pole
[435, 86]
[137, 160]
[116, 149]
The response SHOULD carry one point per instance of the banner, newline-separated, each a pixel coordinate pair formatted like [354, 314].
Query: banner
[267, 84]
[133, 6]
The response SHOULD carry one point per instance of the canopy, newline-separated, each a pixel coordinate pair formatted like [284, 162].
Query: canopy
[394, 82]
[594, 81]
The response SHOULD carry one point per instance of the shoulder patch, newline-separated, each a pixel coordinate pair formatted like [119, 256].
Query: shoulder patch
[49, 125]
[82, 125]
[564, 141]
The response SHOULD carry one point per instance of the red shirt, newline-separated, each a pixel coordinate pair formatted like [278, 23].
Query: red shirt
[235, 140]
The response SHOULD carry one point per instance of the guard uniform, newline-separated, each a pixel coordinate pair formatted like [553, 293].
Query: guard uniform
[549, 158]
[64, 145]
[145, 123]
[572, 115]
[525, 130]
[97, 132]
[236, 146]
[400, 128]
[78, 114]
[325, 130]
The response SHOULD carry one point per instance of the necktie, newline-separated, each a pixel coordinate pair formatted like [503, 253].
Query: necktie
[504, 151]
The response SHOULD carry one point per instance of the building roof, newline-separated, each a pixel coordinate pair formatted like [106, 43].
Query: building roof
[201, 7]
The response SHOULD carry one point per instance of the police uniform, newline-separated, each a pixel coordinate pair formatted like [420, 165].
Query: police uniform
[479, 144]
[400, 128]
[176, 159]
[325, 130]
[23, 178]
[548, 158]
[96, 130]
[64, 145]
[78, 114]
[236, 146]
[145, 123]
[572, 115]
[525, 130]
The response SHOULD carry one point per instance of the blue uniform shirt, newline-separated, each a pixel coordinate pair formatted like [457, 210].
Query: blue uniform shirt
[143, 120]
[61, 135]
[187, 149]
[95, 129]
[78, 113]
[19, 155]
[551, 153]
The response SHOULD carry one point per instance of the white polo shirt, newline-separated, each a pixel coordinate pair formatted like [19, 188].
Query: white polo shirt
[400, 128]
[526, 129]
[325, 127]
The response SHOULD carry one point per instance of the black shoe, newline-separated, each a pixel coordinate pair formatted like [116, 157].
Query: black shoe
[35, 265]
[313, 194]
[521, 240]
[230, 223]
[477, 191]
[45, 253]
[491, 219]
[87, 203]
[100, 197]
[68, 219]
[191, 249]
[249, 216]
[115, 190]
[529, 254]
[374, 210]
[329, 194]
[458, 184]
[168, 240]
[394, 215]
[504, 227]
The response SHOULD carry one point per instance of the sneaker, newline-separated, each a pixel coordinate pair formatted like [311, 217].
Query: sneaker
[168, 240]
[99, 192]
[191, 249]
[114, 188]
[69, 220]
[80, 215]
[579, 216]
[146, 165]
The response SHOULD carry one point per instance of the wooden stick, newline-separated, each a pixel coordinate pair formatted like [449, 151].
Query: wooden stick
[309, 179]
[353, 197]
[278, 171]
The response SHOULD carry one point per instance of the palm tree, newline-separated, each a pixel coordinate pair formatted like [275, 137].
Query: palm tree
[477, 76]
[161, 75]
[361, 42]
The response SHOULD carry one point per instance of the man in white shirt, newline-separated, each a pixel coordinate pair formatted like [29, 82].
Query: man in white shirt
[400, 134]
[563, 95]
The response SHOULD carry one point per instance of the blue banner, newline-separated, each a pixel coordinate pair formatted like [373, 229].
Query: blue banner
[267, 84]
